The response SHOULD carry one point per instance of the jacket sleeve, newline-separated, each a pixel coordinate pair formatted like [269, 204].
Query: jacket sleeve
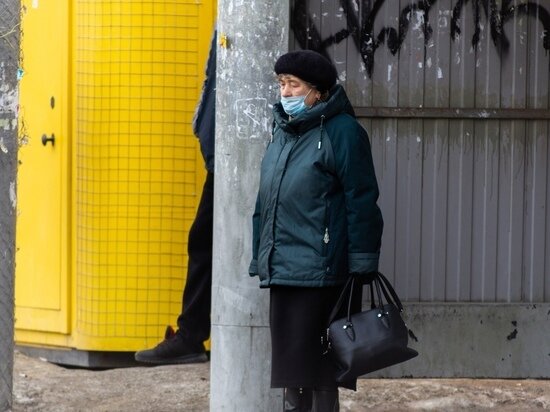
[355, 170]
[204, 119]
[253, 268]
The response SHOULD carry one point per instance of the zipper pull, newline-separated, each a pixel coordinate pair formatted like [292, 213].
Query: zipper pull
[326, 238]
[321, 133]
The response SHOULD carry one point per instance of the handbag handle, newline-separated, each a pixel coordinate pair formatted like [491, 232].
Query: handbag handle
[350, 283]
[383, 287]
[340, 300]
[385, 283]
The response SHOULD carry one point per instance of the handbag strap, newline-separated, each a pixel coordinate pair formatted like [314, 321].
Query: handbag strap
[385, 283]
[383, 287]
[372, 301]
[340, 300]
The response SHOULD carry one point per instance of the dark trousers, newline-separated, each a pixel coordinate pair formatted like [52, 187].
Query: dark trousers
[194, 320]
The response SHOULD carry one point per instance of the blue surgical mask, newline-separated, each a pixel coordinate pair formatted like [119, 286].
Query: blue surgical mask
[294, 105]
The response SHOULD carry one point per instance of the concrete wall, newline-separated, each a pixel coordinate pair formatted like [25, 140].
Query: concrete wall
[477, 340]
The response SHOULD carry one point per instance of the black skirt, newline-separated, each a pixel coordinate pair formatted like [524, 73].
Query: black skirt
[298, 319]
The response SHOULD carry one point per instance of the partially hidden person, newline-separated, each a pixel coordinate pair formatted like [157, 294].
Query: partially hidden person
[186, 344]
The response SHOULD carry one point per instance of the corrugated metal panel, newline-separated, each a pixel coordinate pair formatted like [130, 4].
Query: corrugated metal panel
[457, 98]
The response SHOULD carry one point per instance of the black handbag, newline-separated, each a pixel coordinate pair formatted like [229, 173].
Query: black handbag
[370, 340]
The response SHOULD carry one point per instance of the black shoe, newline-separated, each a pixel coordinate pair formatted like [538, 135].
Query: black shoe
[174, 349]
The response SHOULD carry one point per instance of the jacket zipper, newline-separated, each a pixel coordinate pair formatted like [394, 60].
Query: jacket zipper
[321, 132]
[326, 235]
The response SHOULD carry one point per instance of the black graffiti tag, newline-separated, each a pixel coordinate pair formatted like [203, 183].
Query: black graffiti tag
[360, 25]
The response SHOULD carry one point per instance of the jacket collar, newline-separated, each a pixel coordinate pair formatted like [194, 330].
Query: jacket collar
[337, 103]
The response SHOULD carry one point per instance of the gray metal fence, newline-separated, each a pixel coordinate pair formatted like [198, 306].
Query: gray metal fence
[455, 96]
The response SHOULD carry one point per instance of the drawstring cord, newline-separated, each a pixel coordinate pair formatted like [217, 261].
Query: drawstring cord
[321, 132]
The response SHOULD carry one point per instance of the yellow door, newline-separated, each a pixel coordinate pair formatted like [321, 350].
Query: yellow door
[42, 287]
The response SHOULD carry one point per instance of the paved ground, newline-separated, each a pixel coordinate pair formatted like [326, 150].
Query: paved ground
[42, 386]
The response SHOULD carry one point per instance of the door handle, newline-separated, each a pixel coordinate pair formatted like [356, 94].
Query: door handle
[46, 139]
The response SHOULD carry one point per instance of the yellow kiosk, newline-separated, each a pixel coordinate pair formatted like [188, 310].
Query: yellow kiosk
[109, 172]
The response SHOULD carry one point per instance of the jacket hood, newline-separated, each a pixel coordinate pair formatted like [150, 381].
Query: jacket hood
[337, 103]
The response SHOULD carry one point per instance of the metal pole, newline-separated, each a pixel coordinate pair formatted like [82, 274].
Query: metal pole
[9, 98]
[251, 35]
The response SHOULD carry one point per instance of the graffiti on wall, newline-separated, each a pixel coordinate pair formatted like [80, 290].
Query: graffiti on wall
[361, 19]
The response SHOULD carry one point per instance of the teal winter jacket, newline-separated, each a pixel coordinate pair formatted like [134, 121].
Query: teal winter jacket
[316, 218]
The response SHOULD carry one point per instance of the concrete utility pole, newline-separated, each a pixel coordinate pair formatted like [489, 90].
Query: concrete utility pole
[251, 35]
[9, 98]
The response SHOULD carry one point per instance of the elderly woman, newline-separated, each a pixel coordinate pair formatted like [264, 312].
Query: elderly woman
[316, 223]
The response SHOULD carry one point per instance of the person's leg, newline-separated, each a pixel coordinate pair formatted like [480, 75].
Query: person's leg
[325, 400]
[297, 400]
[194, 320]
[186, 345]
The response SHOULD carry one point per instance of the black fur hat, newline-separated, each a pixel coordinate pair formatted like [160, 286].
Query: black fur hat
[309, 66]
